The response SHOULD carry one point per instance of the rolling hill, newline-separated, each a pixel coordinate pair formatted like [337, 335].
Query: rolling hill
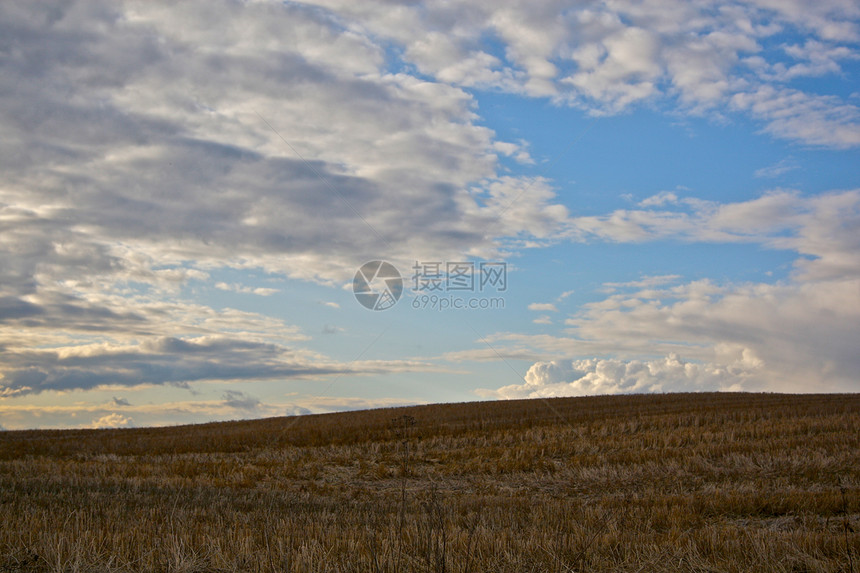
[696, 482]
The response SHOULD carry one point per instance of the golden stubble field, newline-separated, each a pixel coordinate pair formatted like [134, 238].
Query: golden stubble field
[675, 482]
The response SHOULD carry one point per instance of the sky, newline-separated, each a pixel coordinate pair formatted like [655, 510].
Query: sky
[229, 210]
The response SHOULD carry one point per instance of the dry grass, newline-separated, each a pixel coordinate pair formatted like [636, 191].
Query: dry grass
[684, 482]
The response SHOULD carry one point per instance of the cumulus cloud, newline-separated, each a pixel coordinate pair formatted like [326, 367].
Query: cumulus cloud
[798, 334]
[612, 376]
[112, 421]
[619, 70]
[607, 57]
[795, 337]
[782, 325]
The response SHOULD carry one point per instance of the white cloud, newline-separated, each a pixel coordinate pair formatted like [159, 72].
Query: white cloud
[816, 59]
[792, 114]
[233, 287]
[612, 376]
[542, 320]
[520, 207]
[644, 283]
[564, 295]
[112, 421]
[543, 307]
[831, 19]
[798, 335]
[609, 56]
[822, 228]
[661, 198]
[779, 168]
[701, 68]
[486, 353]
[794, 337]
[516, 150]
[622, 69]
[828, 238]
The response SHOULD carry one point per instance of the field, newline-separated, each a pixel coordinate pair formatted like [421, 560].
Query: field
[675, 482]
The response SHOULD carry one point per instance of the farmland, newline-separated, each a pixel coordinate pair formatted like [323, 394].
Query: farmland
[690, 482]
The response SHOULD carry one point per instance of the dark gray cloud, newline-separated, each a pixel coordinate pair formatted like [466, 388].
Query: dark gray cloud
[160, 361]
[240, 401]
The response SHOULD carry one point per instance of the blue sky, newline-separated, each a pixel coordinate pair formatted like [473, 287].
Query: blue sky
[188, 193]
